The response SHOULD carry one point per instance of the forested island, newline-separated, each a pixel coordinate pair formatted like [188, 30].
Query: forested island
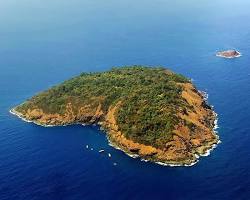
[146, 111]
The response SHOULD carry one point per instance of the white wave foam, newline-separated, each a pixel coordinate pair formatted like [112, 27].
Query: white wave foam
[218, 55]
[204, 95]
[216, 126]
[177, 165]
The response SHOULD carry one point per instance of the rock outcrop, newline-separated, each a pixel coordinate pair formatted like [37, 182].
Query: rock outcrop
[229, 54]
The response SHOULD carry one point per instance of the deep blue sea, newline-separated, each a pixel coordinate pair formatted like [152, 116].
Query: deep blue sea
[44, 42]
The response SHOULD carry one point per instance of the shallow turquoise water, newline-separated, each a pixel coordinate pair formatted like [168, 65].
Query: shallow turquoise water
[46, 42]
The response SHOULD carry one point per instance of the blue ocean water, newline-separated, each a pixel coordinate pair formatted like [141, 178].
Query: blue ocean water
[45, 42]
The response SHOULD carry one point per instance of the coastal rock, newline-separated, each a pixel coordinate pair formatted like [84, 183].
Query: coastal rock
[229, 54]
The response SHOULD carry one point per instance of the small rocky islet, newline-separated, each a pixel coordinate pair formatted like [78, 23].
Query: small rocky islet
[229, 54]
[150, 112]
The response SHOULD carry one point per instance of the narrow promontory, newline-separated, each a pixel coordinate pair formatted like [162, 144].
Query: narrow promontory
[147, 111]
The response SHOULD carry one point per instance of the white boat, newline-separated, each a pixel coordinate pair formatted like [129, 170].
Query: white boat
[109, 155]
[101, 151]
[87, 146]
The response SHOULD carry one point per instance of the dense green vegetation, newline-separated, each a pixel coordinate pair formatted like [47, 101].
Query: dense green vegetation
[150, 99]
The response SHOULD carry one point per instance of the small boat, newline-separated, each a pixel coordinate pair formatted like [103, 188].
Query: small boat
[91, 149]
[101, 151]
[109, 155]
[115, 164]
[87, 146]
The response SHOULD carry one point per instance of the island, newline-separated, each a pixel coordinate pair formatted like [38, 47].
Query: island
[148, 112]
[229, 54]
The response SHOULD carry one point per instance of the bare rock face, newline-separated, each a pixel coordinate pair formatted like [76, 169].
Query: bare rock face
[229, 54]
